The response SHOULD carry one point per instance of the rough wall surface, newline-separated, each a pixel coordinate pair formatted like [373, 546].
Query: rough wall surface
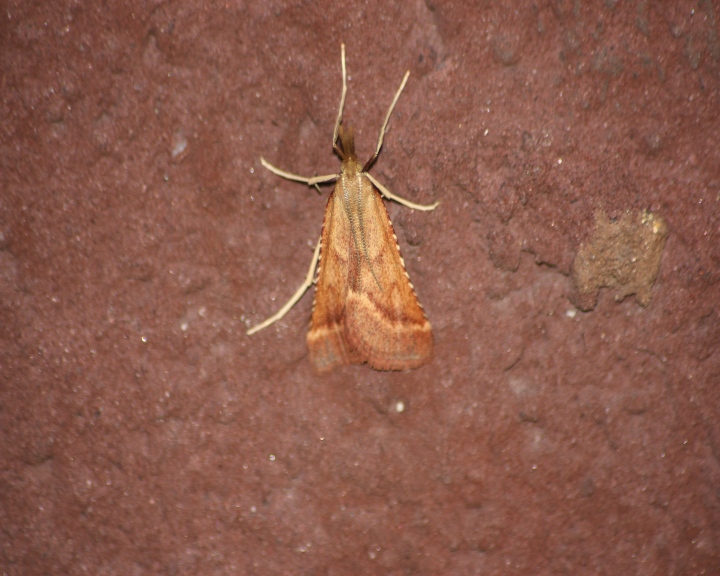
[144, 433]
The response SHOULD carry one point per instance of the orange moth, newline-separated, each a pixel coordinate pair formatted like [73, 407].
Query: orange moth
[365, 307]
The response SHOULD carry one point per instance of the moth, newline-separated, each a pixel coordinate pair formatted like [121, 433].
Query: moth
[365, 308]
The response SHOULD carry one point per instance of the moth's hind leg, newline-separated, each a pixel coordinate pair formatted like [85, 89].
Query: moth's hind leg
[309, 281]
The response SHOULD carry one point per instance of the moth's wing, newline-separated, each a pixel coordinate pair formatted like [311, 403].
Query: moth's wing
[384, 322]
[325, 339]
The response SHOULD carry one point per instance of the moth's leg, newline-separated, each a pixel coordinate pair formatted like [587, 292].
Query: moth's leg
[342, 102]
[390, 196]
[309, 181]
[309, 281]
[315, 180]
[384, 126]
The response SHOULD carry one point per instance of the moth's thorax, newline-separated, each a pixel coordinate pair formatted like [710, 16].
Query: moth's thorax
[350, 182]
[350, 167]
[353, 186]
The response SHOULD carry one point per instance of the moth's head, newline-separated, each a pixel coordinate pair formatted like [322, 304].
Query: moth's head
[346, 143]
[346, 149]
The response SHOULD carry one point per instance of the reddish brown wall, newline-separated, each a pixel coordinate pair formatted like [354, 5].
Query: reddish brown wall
[143, 432]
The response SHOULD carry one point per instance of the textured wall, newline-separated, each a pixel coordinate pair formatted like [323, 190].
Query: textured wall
[144, 433]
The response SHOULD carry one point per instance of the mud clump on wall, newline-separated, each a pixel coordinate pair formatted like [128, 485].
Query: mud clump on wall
[623, 255]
